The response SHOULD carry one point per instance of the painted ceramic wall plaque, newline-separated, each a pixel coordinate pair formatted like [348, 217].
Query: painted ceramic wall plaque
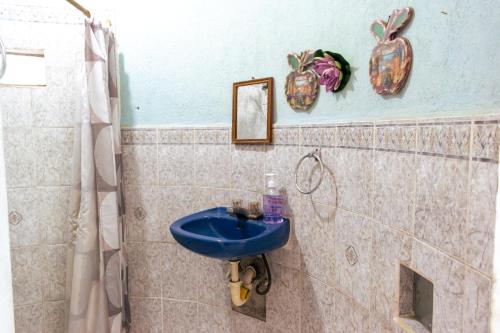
[301, 87]
[391, 59]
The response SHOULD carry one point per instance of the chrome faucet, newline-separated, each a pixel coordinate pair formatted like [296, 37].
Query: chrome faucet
[253, 212]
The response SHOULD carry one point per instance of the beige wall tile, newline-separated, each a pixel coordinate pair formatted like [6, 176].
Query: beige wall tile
[146, 315]
[248, 167]
[174, 203]
[180, 269]
[353, 246]
[52, 212]
[442, 202]
[56, 104]
[54, 153]
[176, 164]
[327, 192]
[206, 198]
[354, 178]
[449, 299]
[24, 226]
[394, 189]
[140, 165]
[213, 282]
[281, 160]
[54, 272]
[317, 306]
[19, 156]
[16, 105]
[27, 266]
[349, 317]
[145, 269]
[424, 260]
[179, 317]
[481, 227]
[390, 248]
[142, 222]
[29, 318]
[283, 300]
[54, 317]
[317, 241]
[239, 323]
[212, 165]
[212, 319]
[477, 302]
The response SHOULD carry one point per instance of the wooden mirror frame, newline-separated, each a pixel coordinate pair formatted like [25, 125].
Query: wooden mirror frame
[270, 102]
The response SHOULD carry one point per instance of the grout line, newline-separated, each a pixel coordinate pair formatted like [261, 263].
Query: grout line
[416, 188]
[468, 218]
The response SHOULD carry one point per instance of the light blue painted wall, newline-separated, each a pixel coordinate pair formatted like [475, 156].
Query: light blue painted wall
[179, 60]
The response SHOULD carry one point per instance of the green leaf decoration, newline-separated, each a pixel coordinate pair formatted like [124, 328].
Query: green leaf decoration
[293, 61]
[398, 20]
[378, 30]
[319, 54]
[307, 57]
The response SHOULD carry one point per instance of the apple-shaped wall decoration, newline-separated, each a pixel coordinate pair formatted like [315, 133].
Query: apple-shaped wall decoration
[391, 59]
[301, 87]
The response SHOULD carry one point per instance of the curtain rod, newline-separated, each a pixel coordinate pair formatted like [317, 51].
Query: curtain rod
[84, 10]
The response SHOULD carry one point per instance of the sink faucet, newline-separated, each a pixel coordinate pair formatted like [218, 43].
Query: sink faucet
[253, 211]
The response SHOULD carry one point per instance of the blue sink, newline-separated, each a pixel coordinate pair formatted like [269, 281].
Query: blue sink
[217, 234]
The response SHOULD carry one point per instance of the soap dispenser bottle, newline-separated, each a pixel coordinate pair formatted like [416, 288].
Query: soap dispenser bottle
[273, 202]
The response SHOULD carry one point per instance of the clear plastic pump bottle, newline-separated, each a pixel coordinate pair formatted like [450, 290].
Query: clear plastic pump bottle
[273, 202]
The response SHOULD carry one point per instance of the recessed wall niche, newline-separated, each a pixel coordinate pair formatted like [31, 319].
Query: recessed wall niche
[415, 301]
[24, 68]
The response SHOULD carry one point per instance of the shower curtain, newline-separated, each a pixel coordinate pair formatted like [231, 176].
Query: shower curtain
[97, 271]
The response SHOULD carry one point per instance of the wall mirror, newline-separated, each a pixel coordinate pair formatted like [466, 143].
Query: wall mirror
[253, 111]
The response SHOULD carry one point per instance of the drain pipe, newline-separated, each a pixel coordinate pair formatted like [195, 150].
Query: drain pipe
[241, 289]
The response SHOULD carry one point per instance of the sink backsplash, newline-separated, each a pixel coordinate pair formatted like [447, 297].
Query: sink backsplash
[420, 194]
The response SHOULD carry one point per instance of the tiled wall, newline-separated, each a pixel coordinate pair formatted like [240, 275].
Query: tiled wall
[38, 138]
[399, 192]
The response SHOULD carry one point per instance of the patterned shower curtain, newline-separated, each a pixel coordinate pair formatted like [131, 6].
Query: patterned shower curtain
[97, 271]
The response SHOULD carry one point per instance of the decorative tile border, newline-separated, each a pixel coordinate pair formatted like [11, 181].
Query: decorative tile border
[310, 136]
[39, 14]
[138, 136]
[355, 136]
[448, 139]
[438, 137]
[329, 136]
[286, 136]
[176, 136]
[396, 137]
[218, 136]
[485, 140]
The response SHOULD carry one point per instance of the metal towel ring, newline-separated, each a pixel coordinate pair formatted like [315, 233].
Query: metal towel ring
[316, 154]
[4, 59]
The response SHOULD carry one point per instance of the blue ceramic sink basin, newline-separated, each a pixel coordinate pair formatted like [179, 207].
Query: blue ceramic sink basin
[217, 234]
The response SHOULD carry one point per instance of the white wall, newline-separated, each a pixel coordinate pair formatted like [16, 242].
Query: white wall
[180, 58]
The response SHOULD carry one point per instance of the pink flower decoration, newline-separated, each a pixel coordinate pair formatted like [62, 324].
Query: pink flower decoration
[329, 73]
